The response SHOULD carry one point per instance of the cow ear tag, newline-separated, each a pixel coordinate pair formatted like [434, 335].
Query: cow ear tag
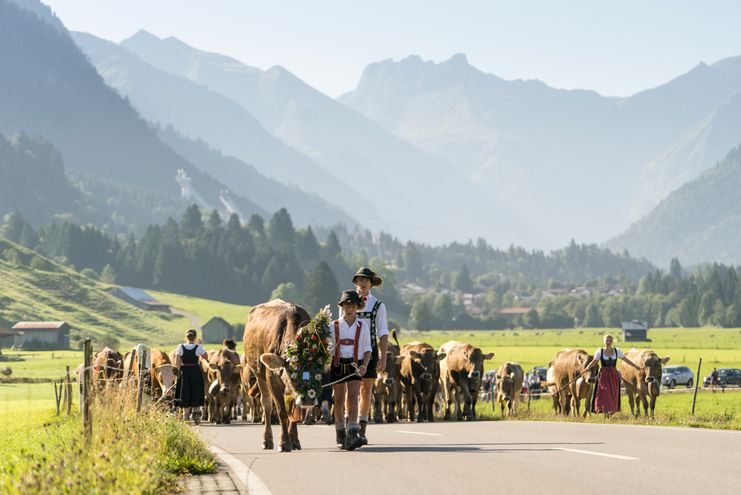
[306, 376]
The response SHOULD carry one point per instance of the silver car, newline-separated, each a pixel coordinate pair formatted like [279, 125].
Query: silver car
[672, 376]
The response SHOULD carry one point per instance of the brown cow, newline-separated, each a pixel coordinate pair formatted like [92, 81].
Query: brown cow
[387, 388]
[509, 386]
[107, 367]
[460, 377]
[568, 365]
[644, 382]
[420, 375]
[251, 408]
[583, 390]
[270, 328]
[163, 375]
[160, 380]
[223, 385]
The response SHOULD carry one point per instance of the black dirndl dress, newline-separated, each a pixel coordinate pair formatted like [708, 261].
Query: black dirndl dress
[189, 391]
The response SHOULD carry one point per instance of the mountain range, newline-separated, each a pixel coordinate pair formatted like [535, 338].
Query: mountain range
[428, 151]
[571, 162]
[699, 222]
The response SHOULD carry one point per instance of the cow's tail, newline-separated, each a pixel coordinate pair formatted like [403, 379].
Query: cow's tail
[393, 336]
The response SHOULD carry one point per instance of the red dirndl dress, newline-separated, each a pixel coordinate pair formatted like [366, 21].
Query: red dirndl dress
[607, 392]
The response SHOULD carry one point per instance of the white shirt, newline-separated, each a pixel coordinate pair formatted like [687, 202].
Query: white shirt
[348, 332]
[200, 351]
[382, 324]
[618, 353]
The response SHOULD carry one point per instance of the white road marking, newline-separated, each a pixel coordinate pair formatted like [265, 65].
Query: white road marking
[420, 433]
[249, 479]
[612, 456]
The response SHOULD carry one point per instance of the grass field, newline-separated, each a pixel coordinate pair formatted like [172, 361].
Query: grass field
[718, 347]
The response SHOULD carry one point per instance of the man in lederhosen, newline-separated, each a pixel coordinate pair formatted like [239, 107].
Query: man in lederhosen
[374, 314]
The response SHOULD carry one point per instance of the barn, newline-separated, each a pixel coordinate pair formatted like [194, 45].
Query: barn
[42, 335]
[635, 331]
[216, 330]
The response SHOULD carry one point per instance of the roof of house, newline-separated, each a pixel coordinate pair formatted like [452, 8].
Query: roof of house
[634, 325]
[218, 319]
[514, 311]
[39, 325]
[8, 331]
[137, 294]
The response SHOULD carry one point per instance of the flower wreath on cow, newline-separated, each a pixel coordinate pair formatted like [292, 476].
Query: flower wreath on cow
[307, 356]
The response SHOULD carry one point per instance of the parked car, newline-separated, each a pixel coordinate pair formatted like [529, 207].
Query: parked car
[672, 376]
[726, 377]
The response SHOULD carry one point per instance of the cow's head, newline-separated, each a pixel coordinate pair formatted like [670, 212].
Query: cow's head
[429, 362]
[393, 365]
[588, 372]
[474, 363]
[293, 380]
[167, 374]
[653, 365]
[506, 384]
[225, 370]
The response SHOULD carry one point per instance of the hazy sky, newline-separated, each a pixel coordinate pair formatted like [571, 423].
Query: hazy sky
[615, 48]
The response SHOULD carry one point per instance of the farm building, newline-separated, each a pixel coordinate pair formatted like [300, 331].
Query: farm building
[216, 330]
[139, 298]
[512, 315]
[635, 331]
[7, 336]
[42, 335]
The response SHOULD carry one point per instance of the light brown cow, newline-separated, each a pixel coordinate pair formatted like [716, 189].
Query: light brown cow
[163, 375]
[107, 367]
[271, 328]
[387, 387]
[583, 390]
[568, 365]
[251, 408]
[223, 384]
[643, 383]
[460, 377]
[509, 385]
[552, 388]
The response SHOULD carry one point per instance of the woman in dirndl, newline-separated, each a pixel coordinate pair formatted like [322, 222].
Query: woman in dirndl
[606, 397]
[190, 390]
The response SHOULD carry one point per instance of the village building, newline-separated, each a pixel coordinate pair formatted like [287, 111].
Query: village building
[42, 335]
[138, 298]
[216, 330]
[635, 331]
[513, 315]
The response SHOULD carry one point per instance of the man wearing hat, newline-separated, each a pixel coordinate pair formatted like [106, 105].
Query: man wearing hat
[374, 314]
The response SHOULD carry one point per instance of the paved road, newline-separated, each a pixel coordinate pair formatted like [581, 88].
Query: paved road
[525, 457]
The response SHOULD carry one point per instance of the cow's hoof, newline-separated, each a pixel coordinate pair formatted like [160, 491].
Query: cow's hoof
[296, 444]
[268, 445]
[285, 447]
[218, 421]
[227, 422]
[420, 420]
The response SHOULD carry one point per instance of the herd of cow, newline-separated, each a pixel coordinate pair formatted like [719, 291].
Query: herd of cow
[418, 380]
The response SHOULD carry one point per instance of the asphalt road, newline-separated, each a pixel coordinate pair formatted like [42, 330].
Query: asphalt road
[499, 457]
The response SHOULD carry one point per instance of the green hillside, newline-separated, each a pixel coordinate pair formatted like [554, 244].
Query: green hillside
[699, 222]
[34, 288]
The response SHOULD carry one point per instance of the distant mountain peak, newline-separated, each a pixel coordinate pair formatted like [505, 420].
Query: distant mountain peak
[142, 35]
[458, 59]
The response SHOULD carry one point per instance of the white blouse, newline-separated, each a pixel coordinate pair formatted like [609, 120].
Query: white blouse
[200, 351]
[382, 324]
[617, 352]
[348, 332]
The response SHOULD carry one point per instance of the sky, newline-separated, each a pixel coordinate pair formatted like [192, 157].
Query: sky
[616, 48]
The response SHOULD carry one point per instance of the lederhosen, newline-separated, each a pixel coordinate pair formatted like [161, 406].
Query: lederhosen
[189, 390]
[607, 363]
[342, 368]
[371, 316]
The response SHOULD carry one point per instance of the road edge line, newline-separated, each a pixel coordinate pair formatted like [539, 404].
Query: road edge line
[600, 454]
[252, 483]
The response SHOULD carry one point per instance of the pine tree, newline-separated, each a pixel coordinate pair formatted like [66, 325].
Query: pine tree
[191, 224]
[462, 281]
[108, 275]
[214, 220]
[321, 288]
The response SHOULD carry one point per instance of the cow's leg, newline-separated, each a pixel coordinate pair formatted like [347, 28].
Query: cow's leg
[410, 402]
[632, 402]
[642, 395]
[276, 391]
[653, 405]
[447, 398]
[378, 401]
[293, 434]
[266, 402]
[468, 402]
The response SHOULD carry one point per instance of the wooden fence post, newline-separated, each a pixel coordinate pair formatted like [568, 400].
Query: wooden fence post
[142, 367]
[68, 391]
[697, 384]
[57, 392]
[87, 420]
